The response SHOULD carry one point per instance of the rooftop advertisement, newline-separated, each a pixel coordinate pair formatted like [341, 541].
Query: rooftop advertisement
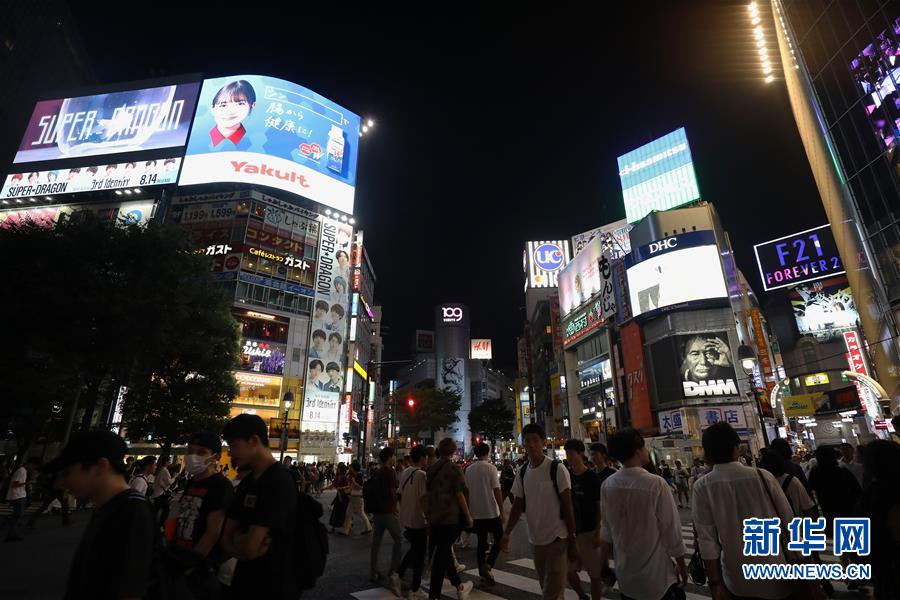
[677, 270]
[588, 274]
[616, 241]
[542, 262]
[797, 258]
[123, 121]
[658, 176]
[267, 131]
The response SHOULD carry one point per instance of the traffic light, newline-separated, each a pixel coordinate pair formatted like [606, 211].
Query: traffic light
[411, 403]
[477, 439]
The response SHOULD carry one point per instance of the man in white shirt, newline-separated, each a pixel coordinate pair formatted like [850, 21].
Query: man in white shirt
[547, 503]
[485, 504]
[413, 492]
[723, 498]
[17, 496]
[640, 525]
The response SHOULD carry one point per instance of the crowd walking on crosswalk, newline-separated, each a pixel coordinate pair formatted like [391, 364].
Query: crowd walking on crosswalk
[605, 519]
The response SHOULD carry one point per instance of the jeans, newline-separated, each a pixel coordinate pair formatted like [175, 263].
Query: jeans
[391, 523]
[415, 558]
[482, 528]
[14, 521]
[443, 536]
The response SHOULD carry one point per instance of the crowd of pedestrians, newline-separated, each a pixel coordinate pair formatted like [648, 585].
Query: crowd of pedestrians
[185, 530]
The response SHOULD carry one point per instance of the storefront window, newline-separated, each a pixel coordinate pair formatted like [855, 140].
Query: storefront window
[259, 390]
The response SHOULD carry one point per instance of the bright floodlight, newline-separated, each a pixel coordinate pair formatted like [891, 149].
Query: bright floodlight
[353, 221]
[365, 128]
[370, 123]
[770, 79]
[328, 212]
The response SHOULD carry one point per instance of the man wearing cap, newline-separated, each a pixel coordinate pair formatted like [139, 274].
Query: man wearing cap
[201, 511]
[114, 557]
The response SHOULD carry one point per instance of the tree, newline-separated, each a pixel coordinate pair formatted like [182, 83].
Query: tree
[182, 378]
[94, 302]
[433, 410]
[492, 419]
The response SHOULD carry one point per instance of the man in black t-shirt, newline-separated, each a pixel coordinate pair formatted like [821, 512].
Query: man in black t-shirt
[201, 512]
[261, 519]
[115, 557]
[600, 461]
[586, 502]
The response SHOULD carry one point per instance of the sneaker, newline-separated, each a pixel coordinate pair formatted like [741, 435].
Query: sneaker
[462, 592]
[394, 585]
[460, 567]
[416, 595]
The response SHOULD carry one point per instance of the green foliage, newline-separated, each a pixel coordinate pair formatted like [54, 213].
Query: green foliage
[434, 410]
[91, 301]
[492, 419]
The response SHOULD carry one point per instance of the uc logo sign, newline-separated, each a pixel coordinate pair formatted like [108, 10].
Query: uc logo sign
[548, 257]
[452, 314]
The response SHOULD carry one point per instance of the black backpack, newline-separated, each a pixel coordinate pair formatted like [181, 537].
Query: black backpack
[554, 466]
[375, 494]
[310, 543]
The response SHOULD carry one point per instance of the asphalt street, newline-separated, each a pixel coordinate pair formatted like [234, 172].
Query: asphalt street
[36, 568]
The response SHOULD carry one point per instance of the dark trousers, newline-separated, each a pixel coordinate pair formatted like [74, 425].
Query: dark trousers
[443, 536]
[49, 497]
[14, 521]
[415, 557]
[482, 528]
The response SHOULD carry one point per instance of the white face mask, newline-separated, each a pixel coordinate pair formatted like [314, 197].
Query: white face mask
[195, 464]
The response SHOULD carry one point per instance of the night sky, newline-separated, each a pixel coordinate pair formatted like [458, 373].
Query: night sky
[496, 126]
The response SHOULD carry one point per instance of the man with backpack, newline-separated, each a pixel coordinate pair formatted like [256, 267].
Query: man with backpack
[413, 492]
[380, 498]
[261, 521]
[116, 555]
[548, 511]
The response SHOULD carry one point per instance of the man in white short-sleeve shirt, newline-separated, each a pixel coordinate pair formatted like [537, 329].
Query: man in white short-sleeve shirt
[550, 517]
[412, 492]
[17, 496]
[485, 501]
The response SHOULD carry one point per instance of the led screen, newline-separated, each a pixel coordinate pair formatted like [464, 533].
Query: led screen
[658, 176]
[123, 121]
[824, 308]
[267, 131]
[797, 258]
[91, 179]
[674, 271]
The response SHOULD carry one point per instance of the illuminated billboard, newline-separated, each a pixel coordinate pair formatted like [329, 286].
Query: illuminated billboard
[267, 131]
[674, 271]
[616, 241]
[588, 274]
[803, 256]
[328, 329]
[658, 176]
[824, 308]
[696, 365]
[543, 261]
[122, 121]
[91, 179]
[123, 213]
[480, 350]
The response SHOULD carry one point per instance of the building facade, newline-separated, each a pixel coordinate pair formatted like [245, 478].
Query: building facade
[839, 64]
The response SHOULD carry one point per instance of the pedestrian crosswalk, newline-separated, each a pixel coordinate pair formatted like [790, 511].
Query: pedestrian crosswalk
[517, 579]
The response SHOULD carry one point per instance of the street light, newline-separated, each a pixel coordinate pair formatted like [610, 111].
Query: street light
[288, 401]
[747, 358]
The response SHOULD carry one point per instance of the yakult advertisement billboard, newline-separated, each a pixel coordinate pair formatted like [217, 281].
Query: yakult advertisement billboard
[267, 131]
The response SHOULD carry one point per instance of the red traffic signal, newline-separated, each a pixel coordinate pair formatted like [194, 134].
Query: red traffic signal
[411, 402]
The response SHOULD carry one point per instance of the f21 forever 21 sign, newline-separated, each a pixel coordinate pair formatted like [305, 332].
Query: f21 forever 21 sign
[798, 258]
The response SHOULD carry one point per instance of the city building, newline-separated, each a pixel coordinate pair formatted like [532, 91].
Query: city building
[838, 61]
[274, 219]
